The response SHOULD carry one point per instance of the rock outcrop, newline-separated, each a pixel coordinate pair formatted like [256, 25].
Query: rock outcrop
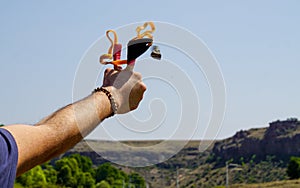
[280, 139]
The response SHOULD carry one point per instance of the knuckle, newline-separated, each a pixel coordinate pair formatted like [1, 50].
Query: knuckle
[138, 75]
[143, 87]
[133, 107]
[141, 97]
[107, 71]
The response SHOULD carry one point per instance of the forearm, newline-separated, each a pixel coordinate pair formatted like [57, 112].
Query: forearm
[80, 118]
[73, 122]
[63, 129]
[60, 131]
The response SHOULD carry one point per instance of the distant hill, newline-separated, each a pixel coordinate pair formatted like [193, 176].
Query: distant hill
[141, 150]
[262, 154]
[280, 139]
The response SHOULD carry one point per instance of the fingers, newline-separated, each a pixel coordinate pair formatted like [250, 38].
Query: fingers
[107, 77]
[143, 87]
[128, 87]
[107, 71]
[136, 95]
[117, 67]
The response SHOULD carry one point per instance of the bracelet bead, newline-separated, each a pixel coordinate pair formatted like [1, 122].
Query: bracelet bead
[113, 104]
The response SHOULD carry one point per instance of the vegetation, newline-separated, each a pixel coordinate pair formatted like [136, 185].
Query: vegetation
[210, 175]
[293, 169]
[189, 167]
[78, 171]
[275, 184]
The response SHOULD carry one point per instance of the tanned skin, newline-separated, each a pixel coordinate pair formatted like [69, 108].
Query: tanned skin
[66, 127]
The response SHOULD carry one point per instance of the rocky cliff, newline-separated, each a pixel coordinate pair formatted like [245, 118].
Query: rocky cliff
[280, 139]
[207, 169]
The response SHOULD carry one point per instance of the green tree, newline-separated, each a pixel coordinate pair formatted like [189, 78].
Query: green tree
[65, 176]
[67, 171]
[33, 178]
[103, 184]
[75, 171]
[50, 173]
[85, 180]
[1, 125]
[84, 163]
[293, 169]
[137, 180]
[115, 177]
[106, 172]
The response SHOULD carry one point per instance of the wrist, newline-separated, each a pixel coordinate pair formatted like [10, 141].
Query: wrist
[108, 94]
[102, 104]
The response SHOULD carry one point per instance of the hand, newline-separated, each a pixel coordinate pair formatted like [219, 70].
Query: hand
[126, 87]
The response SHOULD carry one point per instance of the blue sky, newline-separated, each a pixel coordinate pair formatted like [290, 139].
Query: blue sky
[256, 44]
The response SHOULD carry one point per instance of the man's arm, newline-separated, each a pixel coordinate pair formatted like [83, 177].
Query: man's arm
[64, 128]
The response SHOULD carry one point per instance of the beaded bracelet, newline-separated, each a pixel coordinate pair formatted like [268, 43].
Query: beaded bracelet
[114, 106]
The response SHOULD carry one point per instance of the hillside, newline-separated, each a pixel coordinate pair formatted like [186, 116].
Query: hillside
[141, 150]
[280, 139]
[262, 154]
[275, 184]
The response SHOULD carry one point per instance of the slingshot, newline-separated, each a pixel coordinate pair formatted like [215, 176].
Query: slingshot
[135, 47]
